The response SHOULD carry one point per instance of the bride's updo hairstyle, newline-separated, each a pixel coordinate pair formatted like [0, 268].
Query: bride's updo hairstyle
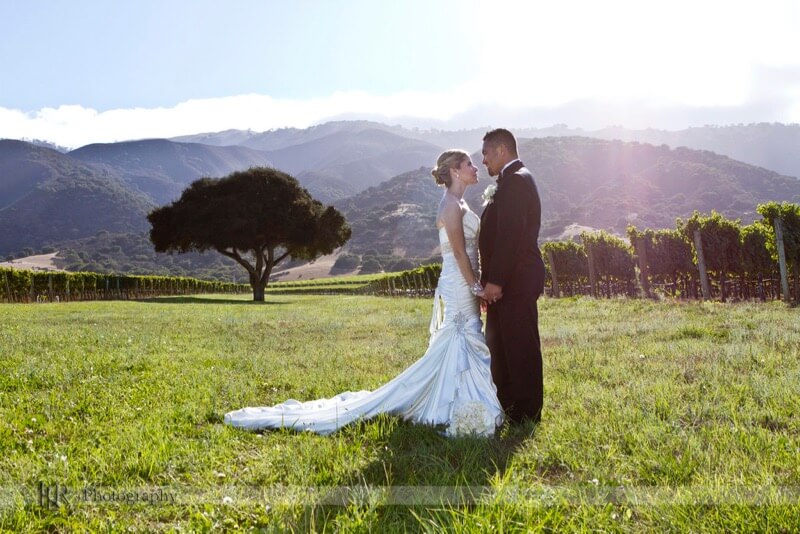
[452, 159]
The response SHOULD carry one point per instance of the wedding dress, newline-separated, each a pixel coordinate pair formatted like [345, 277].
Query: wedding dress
[451, 384]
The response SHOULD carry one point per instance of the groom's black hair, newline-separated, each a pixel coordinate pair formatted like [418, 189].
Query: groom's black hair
[501, 136]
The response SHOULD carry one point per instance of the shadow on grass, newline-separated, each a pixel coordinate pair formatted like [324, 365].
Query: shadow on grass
[206, 300]
[419, 455]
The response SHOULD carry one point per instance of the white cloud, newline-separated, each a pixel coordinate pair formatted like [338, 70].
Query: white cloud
[770, 95]
[75, 126]
[585, 76]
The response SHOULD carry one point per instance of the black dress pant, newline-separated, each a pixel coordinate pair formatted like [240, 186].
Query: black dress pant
[512, 334]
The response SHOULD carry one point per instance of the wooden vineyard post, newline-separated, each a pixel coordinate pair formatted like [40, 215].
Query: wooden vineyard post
[9, 297]
[701, 265]
[782, 259]
[592, 274]
[553, 274]
[644, 273]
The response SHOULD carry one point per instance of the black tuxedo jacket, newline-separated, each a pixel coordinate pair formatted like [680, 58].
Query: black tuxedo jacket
[509, 234]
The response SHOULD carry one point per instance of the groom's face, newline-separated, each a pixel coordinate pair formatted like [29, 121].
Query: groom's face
[492, 158]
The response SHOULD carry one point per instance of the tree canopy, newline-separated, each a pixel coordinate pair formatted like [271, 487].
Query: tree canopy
[258, 217]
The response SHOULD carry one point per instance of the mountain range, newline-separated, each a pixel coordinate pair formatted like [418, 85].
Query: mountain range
[86, 201]
[774, 146]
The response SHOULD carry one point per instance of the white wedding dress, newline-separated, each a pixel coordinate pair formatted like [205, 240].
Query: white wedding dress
[450, 385]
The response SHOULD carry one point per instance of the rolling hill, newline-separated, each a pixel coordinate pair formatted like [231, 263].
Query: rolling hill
[286, 137]
[47, 197]
[162, 169]
[583, 181]
[360, 160]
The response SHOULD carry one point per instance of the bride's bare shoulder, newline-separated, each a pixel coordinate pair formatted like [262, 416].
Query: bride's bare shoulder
[449, 207]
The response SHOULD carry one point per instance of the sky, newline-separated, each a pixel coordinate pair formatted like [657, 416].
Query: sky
[88, 71]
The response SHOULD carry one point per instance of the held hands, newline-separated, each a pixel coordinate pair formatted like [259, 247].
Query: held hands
[492, 293]
[488, 295]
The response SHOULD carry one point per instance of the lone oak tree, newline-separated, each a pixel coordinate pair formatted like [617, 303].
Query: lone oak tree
[257, 217]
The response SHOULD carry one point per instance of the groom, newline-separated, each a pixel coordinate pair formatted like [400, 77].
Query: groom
[512, 272]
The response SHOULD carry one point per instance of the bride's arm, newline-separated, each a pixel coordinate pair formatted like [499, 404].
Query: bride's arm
[452, 217]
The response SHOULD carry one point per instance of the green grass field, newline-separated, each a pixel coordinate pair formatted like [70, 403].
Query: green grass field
[658, 416]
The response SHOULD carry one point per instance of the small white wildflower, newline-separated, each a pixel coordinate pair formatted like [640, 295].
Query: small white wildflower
[227, 500]
[595, 481]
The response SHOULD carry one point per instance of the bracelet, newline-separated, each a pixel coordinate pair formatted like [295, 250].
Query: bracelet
[476, 289]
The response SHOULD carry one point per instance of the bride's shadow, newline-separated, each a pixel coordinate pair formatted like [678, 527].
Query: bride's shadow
[418, 455]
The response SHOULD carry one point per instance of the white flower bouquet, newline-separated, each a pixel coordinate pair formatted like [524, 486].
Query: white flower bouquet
[488, 194]
[471, 419]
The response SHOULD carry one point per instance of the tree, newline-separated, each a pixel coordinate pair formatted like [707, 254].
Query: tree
[370, 265]
[346, 262]
[257, 217]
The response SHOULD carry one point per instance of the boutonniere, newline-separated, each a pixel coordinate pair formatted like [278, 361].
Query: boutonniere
[488, 194]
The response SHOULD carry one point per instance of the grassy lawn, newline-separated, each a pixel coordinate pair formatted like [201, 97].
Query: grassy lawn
[658, 416]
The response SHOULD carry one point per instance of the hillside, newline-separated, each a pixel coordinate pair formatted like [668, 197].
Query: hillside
[607, 184]
[583, 181]
[395, 217]
[133, 253]
[361, 159]
[162, 169]
[286, 137]
[48, 197]
[772, 146]
[332, 161]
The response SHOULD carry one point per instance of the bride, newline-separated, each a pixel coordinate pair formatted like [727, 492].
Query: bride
[451, 384]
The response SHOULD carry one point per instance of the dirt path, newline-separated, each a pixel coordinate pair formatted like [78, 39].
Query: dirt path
[41, 262]
[320, 268]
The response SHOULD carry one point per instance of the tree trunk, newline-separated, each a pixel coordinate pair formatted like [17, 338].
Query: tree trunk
[258, 284]
[258, 291]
